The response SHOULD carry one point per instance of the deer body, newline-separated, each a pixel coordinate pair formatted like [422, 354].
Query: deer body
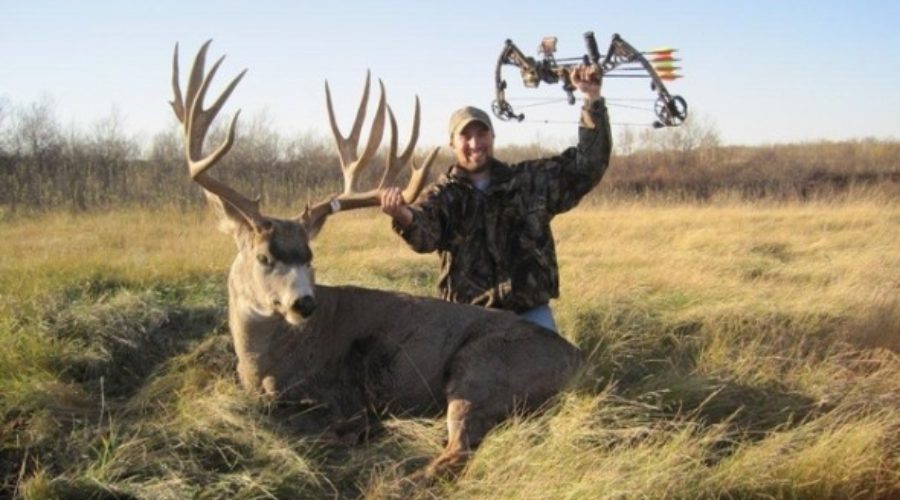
[362, 352]
[401, 354]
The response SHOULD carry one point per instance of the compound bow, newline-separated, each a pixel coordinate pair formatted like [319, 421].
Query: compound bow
[670, 110]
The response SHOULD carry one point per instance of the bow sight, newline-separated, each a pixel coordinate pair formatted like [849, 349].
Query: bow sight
[620, 59]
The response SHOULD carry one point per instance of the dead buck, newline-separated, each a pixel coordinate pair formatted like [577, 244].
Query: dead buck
[362, 352]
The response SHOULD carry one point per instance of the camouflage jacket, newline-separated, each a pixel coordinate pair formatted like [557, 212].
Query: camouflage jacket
[495, 245]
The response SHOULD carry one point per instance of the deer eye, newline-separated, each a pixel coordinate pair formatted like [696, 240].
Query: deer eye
[264, 259]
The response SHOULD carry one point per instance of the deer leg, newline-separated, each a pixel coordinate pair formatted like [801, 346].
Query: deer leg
[465, 430]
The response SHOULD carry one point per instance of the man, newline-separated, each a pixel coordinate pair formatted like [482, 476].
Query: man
[490, 222]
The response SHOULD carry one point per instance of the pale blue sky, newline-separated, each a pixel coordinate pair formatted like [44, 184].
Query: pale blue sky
[762, 72]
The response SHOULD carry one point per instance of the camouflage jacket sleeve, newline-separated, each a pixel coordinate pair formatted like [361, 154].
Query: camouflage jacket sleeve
[562, 181]
[425, 233]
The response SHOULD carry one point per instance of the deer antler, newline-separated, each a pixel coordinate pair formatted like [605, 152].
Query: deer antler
[395, 163]
[195, 122]
[353, 165]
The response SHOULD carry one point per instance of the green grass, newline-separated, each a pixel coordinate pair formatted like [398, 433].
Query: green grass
[735, 350]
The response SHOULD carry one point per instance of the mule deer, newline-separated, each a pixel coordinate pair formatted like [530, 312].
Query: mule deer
[358, 351]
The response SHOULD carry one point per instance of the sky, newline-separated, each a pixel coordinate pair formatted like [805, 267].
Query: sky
[760, 72]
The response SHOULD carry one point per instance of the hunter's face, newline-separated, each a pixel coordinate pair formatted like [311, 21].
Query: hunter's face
[474, 146]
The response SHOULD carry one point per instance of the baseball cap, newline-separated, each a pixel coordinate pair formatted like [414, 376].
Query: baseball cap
[464, 116]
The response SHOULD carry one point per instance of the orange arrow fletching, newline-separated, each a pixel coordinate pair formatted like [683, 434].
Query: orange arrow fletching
[661, 51]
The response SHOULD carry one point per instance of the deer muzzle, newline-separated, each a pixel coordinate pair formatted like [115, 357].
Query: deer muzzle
[304, 306]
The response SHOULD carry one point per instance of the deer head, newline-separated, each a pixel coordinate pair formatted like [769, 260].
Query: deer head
[273, 273]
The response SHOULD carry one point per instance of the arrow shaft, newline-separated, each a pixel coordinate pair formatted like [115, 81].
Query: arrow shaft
[668, 68]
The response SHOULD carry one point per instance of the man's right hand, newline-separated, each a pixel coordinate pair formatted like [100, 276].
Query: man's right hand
[392, 204]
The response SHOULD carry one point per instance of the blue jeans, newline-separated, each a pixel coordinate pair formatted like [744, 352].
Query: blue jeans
[541, 315]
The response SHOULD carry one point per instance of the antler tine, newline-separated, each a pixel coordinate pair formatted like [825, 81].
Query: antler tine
[360, 113]
[195, 79]
[195, 123]
[213, 110]
[414, 136]
[178, 102]
[394, 163]
[352, 165]
[347, 145]
[201, 119]
[375, 136]
[391, 167]
[418, 177]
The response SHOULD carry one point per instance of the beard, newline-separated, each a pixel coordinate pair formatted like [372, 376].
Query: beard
[473, 167]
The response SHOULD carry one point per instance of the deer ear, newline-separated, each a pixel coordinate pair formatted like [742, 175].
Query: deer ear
[231, 220]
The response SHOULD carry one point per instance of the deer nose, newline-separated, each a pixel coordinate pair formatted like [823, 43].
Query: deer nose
[304, 306]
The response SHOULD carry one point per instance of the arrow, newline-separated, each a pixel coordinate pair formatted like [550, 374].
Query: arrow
[664, 69]
[669, 77]
[665, 66]
[662, 76]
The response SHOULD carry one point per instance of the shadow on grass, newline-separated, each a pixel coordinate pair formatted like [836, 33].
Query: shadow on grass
[648, 360]
[119, 333]
[63, 488]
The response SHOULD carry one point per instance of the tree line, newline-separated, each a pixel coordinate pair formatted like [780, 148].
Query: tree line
[43, 166]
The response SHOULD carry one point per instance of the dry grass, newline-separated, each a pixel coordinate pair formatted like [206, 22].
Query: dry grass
[736, 350]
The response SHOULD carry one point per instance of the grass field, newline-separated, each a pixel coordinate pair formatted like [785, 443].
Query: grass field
[736, 350]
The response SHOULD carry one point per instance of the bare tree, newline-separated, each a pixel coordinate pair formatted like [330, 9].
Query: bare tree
[5, 111]
[166, 161]
[37, 142]
[110, 151]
